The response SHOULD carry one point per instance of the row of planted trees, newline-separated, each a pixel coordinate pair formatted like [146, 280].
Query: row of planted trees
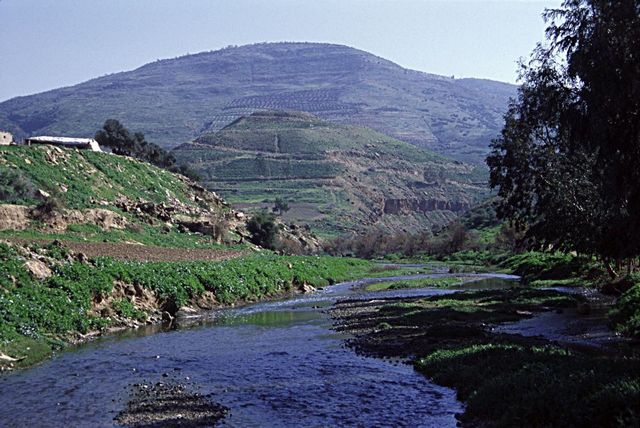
[567, 164]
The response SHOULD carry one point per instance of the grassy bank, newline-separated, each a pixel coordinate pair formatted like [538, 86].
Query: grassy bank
[515, 384]
[505, 380]
[441, 282]
[558, 269]
[544, 270]
[38, 316]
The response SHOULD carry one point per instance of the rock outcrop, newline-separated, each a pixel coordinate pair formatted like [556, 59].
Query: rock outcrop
[21, 217]
[14, 217]
[409, 206]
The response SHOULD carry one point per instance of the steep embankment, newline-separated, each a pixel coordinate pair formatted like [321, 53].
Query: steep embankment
[337, 178]
[173, 101]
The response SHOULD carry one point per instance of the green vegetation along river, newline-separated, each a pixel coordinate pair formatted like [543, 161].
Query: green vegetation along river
[270, 364]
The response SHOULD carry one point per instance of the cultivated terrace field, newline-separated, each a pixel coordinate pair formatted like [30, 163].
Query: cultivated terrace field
[335, 178]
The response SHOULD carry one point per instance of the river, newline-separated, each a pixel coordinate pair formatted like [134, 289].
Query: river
[272, 364]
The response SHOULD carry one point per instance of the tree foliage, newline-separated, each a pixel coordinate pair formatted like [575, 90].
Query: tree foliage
[280, 206]
[122, 142]
[567, 164]
[263, 229]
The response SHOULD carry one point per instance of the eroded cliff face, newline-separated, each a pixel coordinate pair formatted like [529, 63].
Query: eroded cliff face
[413, 205]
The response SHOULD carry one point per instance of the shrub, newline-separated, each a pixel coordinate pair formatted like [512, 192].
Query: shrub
[289, 246]
[220, 231]
[15, 187]
[263, 229]
[48, 209]
[625, 316]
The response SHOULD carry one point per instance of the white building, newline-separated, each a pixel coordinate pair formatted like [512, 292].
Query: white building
[5, 138]
[76, 143]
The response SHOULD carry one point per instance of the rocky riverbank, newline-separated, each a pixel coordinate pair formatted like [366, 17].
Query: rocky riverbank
[51, 296]
[458, 341]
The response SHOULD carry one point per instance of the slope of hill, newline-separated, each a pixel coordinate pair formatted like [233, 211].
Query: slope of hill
[49, 192]
[173, 101]
[134, 245]
[337, 178]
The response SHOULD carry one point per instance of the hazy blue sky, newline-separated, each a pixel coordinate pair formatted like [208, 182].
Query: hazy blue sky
[45, 44]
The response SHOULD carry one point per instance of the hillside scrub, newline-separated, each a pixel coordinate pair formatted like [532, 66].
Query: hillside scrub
[60, 307]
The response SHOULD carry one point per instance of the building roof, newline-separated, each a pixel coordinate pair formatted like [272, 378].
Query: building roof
[61, 140]
[67, 141]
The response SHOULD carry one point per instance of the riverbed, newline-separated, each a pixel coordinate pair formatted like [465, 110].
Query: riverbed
[272, 364]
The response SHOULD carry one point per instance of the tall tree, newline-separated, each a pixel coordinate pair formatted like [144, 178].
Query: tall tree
[122, 142]
[118, 138]
[567, 164]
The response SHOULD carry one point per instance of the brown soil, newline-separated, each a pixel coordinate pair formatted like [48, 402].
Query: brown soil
[137, 252]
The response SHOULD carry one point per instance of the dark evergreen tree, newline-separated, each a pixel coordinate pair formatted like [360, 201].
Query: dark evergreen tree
[567, 164]
[122, 142]
[115, 136]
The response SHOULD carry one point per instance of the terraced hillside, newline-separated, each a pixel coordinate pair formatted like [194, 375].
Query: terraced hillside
[173, 101]
[337, 178]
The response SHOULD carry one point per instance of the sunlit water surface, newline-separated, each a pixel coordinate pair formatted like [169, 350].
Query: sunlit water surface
[273, 364]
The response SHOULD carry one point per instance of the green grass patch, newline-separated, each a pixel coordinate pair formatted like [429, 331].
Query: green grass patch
[507, 384]
[60, 305]
[126, 309]
[381, 271]
[566, 282]
[625, 316]
[476, 307]
[442, 282]
[86, 175]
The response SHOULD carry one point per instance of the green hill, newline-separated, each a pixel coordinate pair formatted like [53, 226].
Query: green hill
[176, 100]
[49, 192]
[337, 178]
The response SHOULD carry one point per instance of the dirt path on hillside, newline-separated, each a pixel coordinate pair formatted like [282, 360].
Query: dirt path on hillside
[137, 252]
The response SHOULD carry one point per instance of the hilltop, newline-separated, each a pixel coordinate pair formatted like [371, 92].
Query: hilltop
[337, 178]
[176, 100]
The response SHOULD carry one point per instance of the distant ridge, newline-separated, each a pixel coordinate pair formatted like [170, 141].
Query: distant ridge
[176, 100]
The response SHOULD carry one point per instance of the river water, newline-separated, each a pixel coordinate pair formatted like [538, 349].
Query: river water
[273, 364]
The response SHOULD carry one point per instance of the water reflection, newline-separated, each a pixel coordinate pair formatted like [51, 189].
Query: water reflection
[273, 364]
